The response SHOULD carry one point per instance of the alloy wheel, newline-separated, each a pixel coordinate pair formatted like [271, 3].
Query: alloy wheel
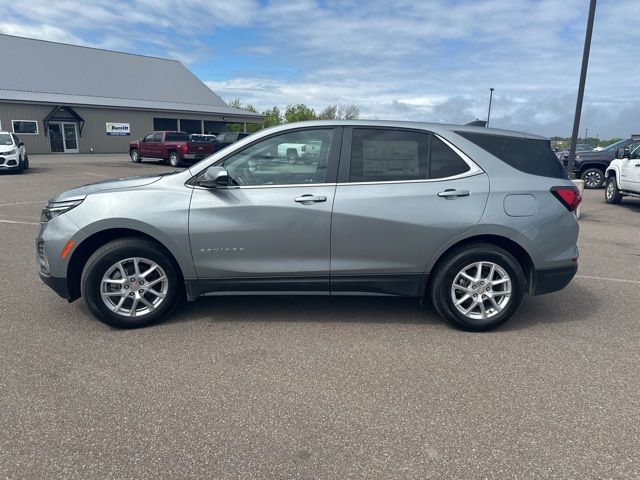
[592, 179]
[134, 287]
[481, 290]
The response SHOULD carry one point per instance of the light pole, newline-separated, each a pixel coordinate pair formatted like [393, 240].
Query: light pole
[583, 78]
[489, 113]
[586, 134]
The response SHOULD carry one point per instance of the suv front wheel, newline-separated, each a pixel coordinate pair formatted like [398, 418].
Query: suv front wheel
[129, 283]
[478, 287]
[612, 193]
[593, 178]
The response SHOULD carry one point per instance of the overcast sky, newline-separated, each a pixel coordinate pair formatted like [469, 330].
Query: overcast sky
[430, 60]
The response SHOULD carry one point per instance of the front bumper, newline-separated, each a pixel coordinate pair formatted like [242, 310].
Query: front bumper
[9, 162]
[549, 280]
[57, 284]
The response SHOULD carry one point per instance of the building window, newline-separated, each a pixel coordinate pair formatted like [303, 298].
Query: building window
[170, 124]
[191, 126]
[25, 127]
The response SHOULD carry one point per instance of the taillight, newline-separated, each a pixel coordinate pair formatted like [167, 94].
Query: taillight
[568, 196]
[185, 148]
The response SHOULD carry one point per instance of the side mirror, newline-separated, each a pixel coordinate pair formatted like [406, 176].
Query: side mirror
[215, 177]
[21, 144]
[622, 152]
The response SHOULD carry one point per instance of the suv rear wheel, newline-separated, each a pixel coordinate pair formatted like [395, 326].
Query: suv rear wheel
[129, 283]
[478, 287]
[593, 178]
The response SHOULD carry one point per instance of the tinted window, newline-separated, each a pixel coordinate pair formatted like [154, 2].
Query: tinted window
[525, 154]
[291, 158]
[191, 126]
[165, 124]
[157, 137]
[176, 137]
[25, 126]
[379, 155]
[148, 138]
[444, 161]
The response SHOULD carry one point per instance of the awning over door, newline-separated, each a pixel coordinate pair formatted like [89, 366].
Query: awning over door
[63, 113]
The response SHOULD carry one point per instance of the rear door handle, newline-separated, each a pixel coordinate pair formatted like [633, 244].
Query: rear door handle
[451, 193]
[309, 199]
[637, 165]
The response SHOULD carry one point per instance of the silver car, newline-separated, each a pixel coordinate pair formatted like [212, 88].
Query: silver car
[467, 218]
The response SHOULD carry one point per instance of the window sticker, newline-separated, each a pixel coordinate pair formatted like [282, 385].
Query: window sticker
[385, 158]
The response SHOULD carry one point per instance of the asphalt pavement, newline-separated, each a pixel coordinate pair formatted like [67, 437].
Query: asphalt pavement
[317, 387]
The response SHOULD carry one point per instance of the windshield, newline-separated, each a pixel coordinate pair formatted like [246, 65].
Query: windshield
[613, 146]
[5, 139]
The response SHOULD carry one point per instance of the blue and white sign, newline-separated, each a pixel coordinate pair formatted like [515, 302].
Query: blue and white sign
[118, 129]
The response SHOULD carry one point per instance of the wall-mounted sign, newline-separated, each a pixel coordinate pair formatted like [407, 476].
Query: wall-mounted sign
[118, 129]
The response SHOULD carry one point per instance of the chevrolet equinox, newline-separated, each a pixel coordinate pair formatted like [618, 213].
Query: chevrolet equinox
[467, 218]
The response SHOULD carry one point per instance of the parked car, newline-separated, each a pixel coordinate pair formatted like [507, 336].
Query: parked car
[13, 153]
[580, 147]
[174, 147]
[202, 137]
[590, 166]
[623, 174]
[225, 139]
[468, 218]
[299, 152]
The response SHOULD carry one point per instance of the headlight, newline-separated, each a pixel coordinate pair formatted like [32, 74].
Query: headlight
[10, 152]
[52, 210]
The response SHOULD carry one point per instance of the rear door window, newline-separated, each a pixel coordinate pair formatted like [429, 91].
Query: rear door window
[385, 155]
[529, 155]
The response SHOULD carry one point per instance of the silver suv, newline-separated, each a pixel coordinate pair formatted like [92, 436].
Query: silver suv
[467, 218]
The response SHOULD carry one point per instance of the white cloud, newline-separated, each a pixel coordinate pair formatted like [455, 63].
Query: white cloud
[417, 60]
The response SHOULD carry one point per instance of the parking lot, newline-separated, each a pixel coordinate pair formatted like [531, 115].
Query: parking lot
[317, 387]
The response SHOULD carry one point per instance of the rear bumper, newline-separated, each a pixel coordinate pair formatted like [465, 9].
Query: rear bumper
[553, 279]
[57, 284]
[195, 156]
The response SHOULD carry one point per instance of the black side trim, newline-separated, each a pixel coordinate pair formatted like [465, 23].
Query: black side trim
[553, 279]
[266, 284]
[57, 284]
[404, 285]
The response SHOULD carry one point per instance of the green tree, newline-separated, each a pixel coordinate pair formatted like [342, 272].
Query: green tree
[272, 117]
[299, 113]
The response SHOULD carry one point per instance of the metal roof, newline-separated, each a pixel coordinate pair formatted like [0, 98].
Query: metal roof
[58, 73]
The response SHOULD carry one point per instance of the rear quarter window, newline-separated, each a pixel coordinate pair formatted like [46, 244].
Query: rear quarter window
[529, 155]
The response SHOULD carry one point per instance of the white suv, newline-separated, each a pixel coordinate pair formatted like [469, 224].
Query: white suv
[623, 174]
[13, 154]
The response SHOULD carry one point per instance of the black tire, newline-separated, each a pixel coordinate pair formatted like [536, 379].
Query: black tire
[445, 275]
[174, 159]
[135, 156]
[593, 178]
[110, 254]
[292, 157]
[26, 162]
[612, 193]
[20, 168]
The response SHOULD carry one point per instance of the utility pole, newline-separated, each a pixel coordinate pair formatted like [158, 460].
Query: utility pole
[489, 113]
[583, 78]
[586, 134]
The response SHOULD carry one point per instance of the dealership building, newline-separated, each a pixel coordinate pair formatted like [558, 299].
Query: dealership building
[61, 98]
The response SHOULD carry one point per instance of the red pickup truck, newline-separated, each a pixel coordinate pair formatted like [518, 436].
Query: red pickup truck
[174, 147]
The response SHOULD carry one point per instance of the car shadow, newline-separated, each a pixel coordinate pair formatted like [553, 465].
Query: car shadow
[303, 308]
[537, 311]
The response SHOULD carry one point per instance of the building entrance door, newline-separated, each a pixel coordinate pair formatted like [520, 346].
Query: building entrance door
[63, 137]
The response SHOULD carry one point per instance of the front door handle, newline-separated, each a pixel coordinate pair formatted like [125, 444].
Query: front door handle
[637, 165]
[309, 199]
[451, 193]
